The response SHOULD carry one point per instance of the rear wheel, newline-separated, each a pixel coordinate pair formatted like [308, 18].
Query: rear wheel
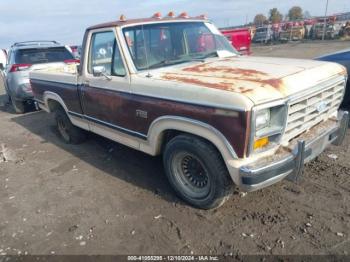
[18, 105]
[68, 132]
[196, 172]
[7, 94]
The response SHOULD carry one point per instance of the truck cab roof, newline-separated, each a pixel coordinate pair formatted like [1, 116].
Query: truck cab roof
[124, 22]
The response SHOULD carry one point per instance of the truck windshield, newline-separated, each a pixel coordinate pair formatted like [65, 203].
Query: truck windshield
[42, 55]
[162, 44]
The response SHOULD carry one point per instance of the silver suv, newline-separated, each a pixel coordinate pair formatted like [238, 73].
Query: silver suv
[28, 56]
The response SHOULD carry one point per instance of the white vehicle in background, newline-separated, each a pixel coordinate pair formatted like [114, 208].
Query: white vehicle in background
[3, 58]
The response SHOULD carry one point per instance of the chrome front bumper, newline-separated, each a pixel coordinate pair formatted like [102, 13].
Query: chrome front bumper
[290, 166]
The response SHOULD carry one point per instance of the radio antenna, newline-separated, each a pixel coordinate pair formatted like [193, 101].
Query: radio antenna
[146, 56]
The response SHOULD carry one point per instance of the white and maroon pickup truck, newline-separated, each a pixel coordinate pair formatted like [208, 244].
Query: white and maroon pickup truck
[175, 86]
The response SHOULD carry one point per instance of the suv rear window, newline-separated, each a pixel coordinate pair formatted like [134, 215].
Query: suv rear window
[42, 55]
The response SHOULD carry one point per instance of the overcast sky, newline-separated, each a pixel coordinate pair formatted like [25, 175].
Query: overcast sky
[65, 20]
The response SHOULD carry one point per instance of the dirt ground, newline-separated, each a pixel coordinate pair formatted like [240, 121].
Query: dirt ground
[103, 198]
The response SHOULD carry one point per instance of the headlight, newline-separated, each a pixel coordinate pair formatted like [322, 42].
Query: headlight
[268, 125]
[262, 119]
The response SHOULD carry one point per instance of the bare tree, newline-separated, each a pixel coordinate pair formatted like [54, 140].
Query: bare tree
[275, 16]
[295, 13]
[260, 19]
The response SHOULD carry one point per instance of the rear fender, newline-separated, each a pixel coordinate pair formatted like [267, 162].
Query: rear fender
[51, 96]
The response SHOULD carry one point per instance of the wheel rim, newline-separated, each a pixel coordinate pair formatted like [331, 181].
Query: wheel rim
[191, 174]
[62, 128]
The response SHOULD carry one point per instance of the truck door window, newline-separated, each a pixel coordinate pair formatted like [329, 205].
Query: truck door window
[105, 52]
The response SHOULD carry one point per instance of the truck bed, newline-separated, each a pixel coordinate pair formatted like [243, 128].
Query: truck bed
[60, 80]
[65, 73]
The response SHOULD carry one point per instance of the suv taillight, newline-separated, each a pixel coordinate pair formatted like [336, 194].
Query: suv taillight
[72, 61]
[19, 67]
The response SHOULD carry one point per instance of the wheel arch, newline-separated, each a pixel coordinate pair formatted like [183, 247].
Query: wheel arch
[51, 100]
[163, 125]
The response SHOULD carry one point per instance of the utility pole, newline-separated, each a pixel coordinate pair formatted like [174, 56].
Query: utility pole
[325, 21]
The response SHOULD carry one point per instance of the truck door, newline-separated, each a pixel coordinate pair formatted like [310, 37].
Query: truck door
[105, 83]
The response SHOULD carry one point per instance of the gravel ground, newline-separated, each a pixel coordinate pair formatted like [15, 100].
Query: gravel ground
[103, 198]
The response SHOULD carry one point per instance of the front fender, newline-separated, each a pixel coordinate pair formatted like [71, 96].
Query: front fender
[183, 124]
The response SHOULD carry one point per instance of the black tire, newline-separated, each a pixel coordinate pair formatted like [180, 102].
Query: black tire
[345, 105]
[7, 92]
[68, 132]
[18, 105]
[201, 179]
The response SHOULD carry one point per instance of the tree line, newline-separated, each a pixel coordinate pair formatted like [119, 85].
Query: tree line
[275, 16]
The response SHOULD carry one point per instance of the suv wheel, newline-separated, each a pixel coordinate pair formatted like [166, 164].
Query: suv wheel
[17, 105]
[68, 132]
[197, 172]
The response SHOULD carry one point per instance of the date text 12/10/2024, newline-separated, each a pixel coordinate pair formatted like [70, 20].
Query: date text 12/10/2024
[173, 258]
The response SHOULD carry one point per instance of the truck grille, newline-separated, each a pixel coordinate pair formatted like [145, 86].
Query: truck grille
[304, 113]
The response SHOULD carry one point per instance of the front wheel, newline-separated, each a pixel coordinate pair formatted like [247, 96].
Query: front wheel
[197, 172]
[68, 132]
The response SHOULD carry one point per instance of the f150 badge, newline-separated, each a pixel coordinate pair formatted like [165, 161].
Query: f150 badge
[141, 114]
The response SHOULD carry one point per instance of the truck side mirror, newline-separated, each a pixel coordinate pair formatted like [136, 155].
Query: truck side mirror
[2, 67]
[98, 70]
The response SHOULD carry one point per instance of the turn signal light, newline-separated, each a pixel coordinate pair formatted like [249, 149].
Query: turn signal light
[171, 14]
[261, 142]
[122, 18]
[184, 15]
[157, 15]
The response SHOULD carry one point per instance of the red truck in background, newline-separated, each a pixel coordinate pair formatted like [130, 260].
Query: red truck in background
[240, 39]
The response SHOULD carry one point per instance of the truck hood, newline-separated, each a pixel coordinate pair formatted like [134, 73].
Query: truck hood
[261, 79]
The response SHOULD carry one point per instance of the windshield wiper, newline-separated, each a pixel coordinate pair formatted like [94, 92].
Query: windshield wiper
[167, 62]
[211, 54]
[196, 59]
[164, 63]
[174, 62]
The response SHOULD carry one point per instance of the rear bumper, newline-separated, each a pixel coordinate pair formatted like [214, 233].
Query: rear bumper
[291, 165]
[19, 86]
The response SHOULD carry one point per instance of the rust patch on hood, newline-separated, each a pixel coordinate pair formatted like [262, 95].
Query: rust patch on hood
[226, 78]
[220, 85]
[204, 68]
[344, 72]
[229, 75]
[276, 83]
